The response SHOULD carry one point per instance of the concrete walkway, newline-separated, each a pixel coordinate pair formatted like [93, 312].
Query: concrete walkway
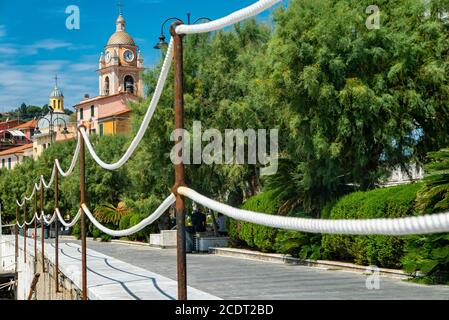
[235, 278]
[111, 278]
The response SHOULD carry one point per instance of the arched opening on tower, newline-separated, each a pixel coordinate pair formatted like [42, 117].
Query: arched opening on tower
[106, 86]
[129, 84]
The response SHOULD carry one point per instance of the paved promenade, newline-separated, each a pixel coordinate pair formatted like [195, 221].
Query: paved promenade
[234, 278]
[113, 279]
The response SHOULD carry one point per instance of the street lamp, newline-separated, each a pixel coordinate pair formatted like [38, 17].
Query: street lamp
[162, 39]
[51, 124]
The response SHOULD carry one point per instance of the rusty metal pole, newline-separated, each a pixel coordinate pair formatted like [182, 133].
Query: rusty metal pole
[56, 229]
[35, 227]
[24, 231]
[179, 169]
[83, 216]
[17, 236]
[42, 226]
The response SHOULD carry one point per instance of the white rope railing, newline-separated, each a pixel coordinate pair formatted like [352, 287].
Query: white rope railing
[399, 226]
[68, 224]
[73, 163]
[146, 222]
[38, 218]
[229, 20]
[49, 185]
[32, 194]
[48, 222]
[146, 120]
[31, 222]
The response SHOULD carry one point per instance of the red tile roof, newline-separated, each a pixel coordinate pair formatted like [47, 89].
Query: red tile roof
[15, 150]
[26, 125]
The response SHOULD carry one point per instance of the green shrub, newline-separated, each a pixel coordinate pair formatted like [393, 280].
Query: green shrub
[383, 251]
[255, 236]
[430, 255]
[267, 239]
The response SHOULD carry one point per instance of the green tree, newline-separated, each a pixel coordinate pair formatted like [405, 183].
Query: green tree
[355, 102]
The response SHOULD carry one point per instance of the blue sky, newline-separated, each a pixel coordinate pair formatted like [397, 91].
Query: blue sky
[35, 43]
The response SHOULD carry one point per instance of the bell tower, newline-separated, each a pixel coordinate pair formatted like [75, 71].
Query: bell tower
[57, 98]
[121, 63]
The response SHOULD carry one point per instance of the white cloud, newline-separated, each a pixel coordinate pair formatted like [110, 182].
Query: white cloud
[33, 83]
[46, 44]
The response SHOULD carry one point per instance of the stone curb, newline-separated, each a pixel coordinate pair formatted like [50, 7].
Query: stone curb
[287, 259]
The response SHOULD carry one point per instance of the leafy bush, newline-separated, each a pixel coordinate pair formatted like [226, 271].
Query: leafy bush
[256, 236]
[430, 253]
[383, 251]
[267, 239]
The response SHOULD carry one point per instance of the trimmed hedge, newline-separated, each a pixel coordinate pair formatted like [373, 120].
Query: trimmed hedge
[382, 251]
[268, 239]
[252, 235]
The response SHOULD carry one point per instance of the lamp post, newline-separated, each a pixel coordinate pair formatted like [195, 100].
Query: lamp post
[162, 39]
[51, 125]
[179, 168]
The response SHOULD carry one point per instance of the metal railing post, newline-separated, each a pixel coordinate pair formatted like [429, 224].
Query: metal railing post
[83, 217]
[35, 226]
[56, 229]
[42, 226]
[179, 168]
[25, 231]
[17, 236]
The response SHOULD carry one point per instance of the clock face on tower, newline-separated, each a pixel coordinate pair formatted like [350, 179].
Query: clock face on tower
[108, 57]
[128, 55]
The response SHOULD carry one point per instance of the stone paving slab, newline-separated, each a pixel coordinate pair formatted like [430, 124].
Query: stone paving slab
[235, 278]
[112, 279]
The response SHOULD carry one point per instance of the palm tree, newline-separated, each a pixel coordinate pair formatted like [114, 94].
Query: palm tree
[108, 213]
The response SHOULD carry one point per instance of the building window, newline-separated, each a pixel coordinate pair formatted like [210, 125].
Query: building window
[9, 163]
[92, 111]
[101, 130]
[106, 86]
[81, 111]
[129, 84]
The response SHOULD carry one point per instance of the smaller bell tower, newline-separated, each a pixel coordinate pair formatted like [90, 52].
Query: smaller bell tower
[57, 98]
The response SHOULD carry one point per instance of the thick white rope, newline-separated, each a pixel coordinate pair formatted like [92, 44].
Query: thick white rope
[229, 20]
[37, 217]
[32, 195]
[38, 186]
[147, 221]
[50, 183]
[66, 224]
[19, 225]
[31, 222]
[74, 161]
[146, 120]
[401, 226]
[48, 222]
[20, 204]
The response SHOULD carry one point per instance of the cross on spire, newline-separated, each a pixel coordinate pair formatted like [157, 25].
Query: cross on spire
[56, 80]
[120, 7]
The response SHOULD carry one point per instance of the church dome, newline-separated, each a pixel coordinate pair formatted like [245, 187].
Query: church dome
[56, 93]
[121, 38]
